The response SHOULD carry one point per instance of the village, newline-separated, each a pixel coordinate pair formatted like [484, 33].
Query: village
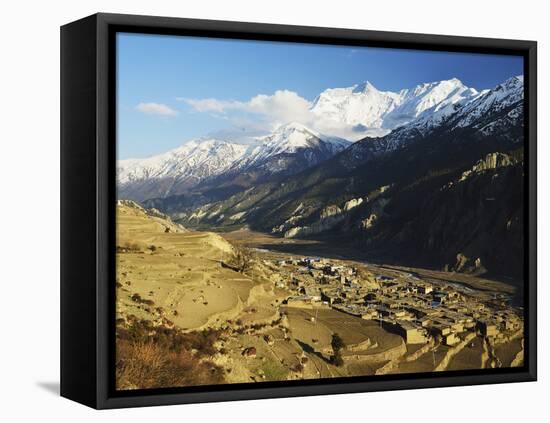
[400, 302]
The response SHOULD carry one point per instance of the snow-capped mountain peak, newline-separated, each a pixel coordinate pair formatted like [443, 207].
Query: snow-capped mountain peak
[294, 135]
[290, 129]
[363, 104]
[506, 94]
[364, 87]
[291, 138]
[197, 158]
[513, 83]
[490, 111]
[290, 148]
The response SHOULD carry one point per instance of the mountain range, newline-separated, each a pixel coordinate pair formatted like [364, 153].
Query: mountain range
[291, 147]
[202, 163]
[437, 182]
[378, 112]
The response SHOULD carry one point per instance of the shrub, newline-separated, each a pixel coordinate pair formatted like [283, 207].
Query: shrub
[298, 368]
[171, 339]
[337, 342]
[337, 345]
[337, 359]
[138, 299]
[128, 247]
[145, 365]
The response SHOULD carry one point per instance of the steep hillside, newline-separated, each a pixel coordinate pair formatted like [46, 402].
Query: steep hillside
[472, 222]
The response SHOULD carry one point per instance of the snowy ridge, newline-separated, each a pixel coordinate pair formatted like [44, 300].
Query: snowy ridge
[492, 101]
[290, 148]
[289, 139]
[197, 158]
[202, 159]
[361, 104]
[481, 112]
[365, 106]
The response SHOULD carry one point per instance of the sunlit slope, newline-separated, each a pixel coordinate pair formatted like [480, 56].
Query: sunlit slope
[174, 275]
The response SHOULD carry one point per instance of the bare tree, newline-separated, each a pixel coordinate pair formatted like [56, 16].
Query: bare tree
[242, 259]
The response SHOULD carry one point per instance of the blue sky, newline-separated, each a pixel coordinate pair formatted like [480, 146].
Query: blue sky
[163, 81]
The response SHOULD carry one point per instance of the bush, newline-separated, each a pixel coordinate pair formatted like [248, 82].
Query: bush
[138, 299]
[170, 338]
[145, 365]
[298, 368]
[337, 360]
[128, 247]
[337, 344]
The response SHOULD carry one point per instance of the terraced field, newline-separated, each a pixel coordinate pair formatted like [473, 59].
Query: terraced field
[178, 271]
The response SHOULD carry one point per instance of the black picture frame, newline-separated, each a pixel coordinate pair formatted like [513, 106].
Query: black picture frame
[88, 131]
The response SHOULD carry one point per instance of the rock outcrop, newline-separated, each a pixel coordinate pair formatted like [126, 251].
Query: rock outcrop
[490, 161]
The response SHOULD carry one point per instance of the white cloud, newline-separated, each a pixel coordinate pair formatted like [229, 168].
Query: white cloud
[264, 113]
[280, 107]
[209, 104]
[158, 109]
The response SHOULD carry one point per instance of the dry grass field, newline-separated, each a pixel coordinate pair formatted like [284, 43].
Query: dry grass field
[179, 272]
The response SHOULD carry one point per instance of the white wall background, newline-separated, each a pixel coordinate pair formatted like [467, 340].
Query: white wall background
[29, 178]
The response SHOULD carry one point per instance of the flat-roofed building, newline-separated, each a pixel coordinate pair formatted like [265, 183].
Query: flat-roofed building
[451, 339]
[424, 289]
[411, 332]
[488, 328]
